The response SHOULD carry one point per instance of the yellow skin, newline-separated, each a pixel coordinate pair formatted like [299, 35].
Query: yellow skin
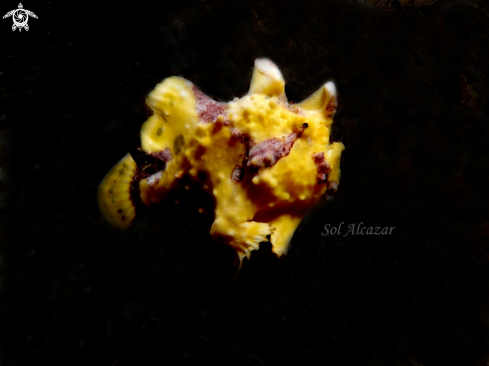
[266, 162]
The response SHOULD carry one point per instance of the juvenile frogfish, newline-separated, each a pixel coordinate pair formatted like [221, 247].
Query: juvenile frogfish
[266, 162]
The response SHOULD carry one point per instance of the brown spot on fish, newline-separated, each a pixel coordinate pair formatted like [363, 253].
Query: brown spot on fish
[235, 133]
[268, 152]
[238, 173]
[322, 167]
[163, 155]
[331, 107]
[207, 109]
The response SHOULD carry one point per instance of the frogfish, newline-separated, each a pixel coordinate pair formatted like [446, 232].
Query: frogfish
[266, 162]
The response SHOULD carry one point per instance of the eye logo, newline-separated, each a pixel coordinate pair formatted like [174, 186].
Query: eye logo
[20, 17]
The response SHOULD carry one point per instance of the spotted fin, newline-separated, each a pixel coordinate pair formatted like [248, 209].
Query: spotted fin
[114, 196]
[175, 115]
[153, 135]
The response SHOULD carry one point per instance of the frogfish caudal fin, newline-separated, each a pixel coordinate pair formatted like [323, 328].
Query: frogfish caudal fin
[114, 194]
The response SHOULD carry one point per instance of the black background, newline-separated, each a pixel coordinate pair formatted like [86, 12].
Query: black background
[413, 115]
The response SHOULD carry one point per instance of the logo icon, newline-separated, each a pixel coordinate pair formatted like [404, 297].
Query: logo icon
[20, 17]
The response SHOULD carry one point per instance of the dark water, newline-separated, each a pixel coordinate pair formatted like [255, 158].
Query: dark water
[412, 113]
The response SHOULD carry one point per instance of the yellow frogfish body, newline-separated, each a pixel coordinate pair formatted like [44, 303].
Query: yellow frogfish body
[266, 162]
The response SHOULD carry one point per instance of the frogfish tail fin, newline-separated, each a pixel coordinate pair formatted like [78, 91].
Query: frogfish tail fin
[114, 194]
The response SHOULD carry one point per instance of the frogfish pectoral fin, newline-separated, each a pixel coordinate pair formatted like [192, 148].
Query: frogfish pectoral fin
[285, 226]
[114, 194]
